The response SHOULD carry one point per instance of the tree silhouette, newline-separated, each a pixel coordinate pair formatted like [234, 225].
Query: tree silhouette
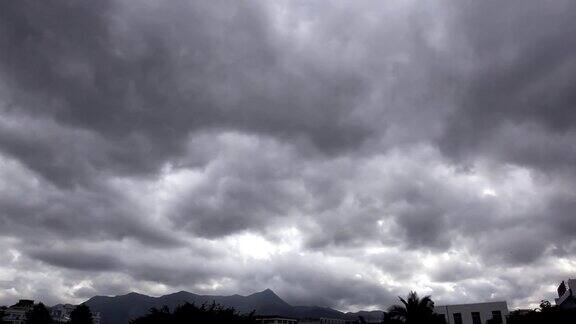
[545, 306]
[155, 315]
[190, 313]
[553, 315]
[81, 315]
[414, 310]
[2, 314]
[39, 314]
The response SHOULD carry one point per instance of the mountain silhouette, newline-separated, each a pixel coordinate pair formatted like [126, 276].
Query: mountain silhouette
[120, 309]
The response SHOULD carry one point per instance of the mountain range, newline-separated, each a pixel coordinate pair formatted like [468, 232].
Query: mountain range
[120, 309]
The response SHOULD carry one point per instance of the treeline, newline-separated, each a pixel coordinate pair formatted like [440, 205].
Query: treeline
[546, 314]
[190, 314]
[412, 310]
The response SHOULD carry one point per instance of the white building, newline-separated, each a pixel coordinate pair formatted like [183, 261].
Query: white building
[61, 312]
[566, 298]
[478, 313]
[96, 318]
[16, 314]
[323, 320]
[275, 320]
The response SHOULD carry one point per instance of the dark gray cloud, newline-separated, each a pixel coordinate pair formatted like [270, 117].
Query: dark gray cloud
[37, 210]
[80, 260]
[338, 153]
[520, 84]
[144, 85]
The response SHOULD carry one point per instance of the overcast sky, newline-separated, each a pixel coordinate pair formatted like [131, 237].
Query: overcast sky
[340, 153]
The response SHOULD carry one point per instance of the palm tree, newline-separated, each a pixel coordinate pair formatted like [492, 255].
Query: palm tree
[414, 310]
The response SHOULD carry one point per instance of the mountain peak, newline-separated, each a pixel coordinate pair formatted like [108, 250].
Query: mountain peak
[266, 293]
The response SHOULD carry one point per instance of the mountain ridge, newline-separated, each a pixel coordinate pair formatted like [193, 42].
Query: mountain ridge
[121, 309]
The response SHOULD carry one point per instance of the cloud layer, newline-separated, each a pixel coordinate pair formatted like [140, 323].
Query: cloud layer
[340, 153]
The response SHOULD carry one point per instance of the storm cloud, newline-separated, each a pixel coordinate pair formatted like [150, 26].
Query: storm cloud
[339, 153]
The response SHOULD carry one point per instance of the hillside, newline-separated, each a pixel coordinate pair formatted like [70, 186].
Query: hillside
[120, 309]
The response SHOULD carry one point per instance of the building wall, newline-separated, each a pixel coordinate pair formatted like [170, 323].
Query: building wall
[61, 313]
[323, 321]
[276, 320]
[16, 314]
[485, 310]
[568, 300]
